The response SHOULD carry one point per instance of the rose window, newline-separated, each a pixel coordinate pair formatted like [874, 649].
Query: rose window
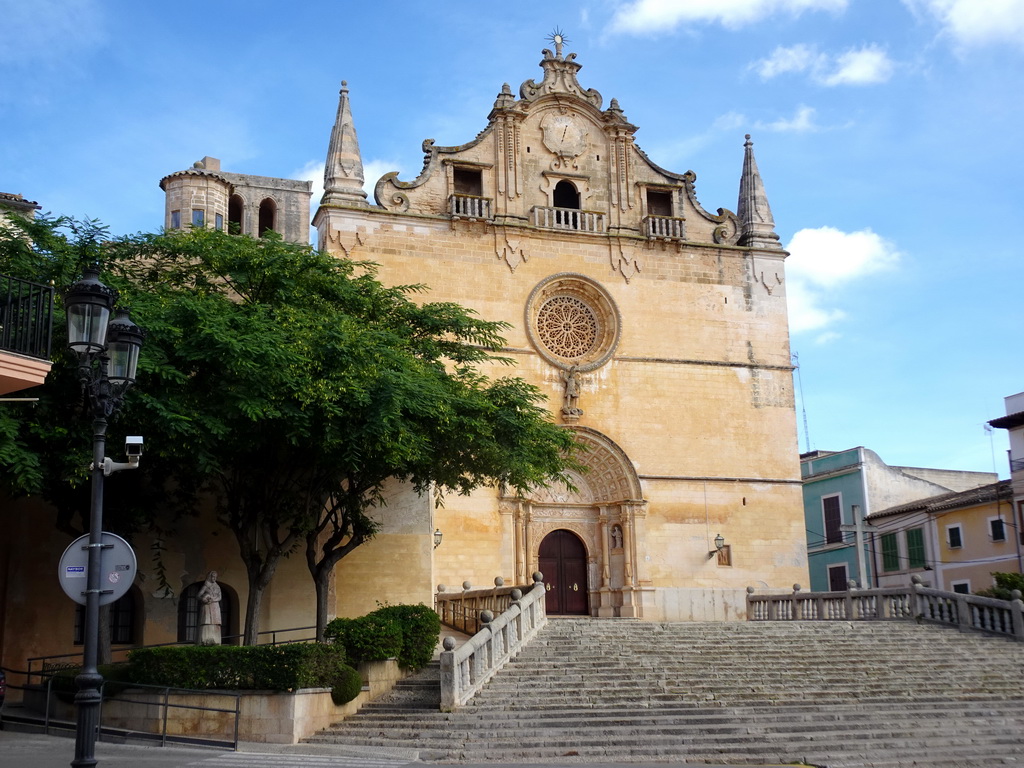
[572, 321]
[567, 326]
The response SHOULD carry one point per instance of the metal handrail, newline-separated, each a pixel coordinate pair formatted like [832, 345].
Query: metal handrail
[47, 666]
[166, 692]
[26, 317]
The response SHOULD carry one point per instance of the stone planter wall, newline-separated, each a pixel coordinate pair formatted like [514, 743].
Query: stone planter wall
[268, 717]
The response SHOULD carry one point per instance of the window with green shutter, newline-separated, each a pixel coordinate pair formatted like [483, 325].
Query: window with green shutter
[890, 552]
[915, 548]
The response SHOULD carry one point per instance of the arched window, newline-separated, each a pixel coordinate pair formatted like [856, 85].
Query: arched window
[124, 621]
[268, 215]
[235, 207]
[188, 613]
[566, 195]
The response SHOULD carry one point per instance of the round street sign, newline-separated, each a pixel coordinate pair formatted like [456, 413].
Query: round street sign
[117, 568]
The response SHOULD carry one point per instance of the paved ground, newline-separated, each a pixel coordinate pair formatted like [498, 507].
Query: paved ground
[24, 750]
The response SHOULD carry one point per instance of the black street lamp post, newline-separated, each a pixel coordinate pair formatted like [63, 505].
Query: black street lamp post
[108, 352]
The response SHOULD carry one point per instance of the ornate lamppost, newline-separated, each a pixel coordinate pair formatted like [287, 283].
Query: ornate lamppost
[108, 352]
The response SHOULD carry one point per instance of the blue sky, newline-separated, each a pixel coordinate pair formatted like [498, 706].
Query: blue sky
[887, 132]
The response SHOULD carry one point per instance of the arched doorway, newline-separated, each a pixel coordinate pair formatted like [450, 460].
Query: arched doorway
[563, 561]
[566, 195]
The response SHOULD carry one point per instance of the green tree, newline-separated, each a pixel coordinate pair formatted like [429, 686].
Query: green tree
[286, 386]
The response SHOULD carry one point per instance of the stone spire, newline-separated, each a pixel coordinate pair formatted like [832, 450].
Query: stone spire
[756, 222]
[343, 172]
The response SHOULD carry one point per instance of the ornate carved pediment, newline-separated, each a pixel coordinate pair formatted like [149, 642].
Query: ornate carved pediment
[559, 77]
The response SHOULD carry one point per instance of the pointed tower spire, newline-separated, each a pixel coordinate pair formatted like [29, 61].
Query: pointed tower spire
[343, 172]
[758, 226]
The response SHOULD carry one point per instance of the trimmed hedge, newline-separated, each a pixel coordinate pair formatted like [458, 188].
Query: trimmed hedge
[263, 667]
[407, 633]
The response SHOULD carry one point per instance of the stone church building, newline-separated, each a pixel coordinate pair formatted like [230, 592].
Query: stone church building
[657, 329]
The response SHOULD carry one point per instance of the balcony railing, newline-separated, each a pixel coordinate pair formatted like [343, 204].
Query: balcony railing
[667, 227]
[568, 218]
[469, 207]
[26, 317]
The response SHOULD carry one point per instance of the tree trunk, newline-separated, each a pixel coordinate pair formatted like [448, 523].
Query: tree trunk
[260, 576]
[322, 580]
[252, 614]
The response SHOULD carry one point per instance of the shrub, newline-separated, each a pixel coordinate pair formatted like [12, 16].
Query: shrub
[1005, 583]
[368, 638]
[263, 667]
[407, 633]
[421, 627]
[347, 686]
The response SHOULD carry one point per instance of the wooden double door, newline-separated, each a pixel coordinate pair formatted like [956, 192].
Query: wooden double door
[563, 561]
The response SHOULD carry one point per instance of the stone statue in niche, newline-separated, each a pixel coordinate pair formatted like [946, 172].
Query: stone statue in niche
[617, 537]
[571, 397]
[209, 598]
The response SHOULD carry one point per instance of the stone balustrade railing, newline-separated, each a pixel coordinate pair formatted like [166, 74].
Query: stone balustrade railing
[469, 206]
[465, 669]
[915, 602]
[666, 227]
[568, 218]
[462, 610]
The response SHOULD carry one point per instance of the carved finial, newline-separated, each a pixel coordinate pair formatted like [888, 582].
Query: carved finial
[505, 98]
[343, 171]
[559, 39]
[499, 582]
[449, 643]
[755, 215]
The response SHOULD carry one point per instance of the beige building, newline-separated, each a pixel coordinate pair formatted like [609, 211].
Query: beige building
[656, 328]
[658, 331]
[954, 541]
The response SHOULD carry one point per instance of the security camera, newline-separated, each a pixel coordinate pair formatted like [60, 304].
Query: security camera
[133, 446]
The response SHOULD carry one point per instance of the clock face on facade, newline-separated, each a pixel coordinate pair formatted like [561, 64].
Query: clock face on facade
[564, 135]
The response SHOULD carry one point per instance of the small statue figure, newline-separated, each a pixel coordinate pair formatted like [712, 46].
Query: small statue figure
[209, 598]
[571, 397]
[616, 537]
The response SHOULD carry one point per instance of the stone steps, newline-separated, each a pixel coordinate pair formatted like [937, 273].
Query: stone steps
[839, 694]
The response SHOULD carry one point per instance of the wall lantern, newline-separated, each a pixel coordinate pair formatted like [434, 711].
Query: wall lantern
[437, 537]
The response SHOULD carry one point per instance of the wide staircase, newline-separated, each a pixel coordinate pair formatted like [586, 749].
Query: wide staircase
[820, 693]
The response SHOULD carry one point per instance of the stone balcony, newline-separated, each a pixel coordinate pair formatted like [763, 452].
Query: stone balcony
[469, 207]
[568, 218]
[665, 227]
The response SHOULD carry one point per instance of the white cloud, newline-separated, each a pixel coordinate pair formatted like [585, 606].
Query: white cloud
[824, 259]
[856, 66]
[796, 58]
[801, 122]
[974, 23]
[652, 16]
[863, 66]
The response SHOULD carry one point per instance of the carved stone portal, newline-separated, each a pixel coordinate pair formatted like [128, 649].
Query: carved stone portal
[607, 513]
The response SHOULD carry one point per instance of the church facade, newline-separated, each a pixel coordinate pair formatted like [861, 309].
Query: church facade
[658, 331]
